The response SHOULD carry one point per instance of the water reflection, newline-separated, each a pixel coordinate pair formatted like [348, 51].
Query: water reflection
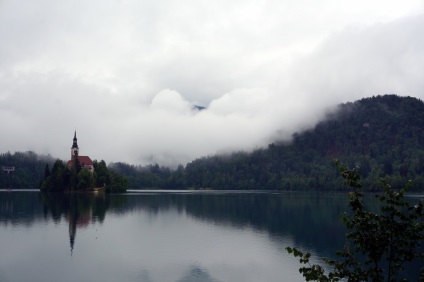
[167, 236]
[197, 274]
[78, 209]
[311, 220]
[209, 236]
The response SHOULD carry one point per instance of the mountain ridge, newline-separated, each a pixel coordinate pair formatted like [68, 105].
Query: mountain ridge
[381, 135]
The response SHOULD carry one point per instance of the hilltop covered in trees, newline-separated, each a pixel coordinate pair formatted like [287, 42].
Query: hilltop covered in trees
[383, 135]
[29, 169]
[48, 174]
[76, 178]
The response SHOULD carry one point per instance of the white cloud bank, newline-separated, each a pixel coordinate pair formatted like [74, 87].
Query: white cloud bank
[126, 74]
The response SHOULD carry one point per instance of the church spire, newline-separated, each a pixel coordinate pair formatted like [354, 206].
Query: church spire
[75, 145]
[74, 148]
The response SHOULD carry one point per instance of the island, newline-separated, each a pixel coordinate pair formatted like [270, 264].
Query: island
[80, 173]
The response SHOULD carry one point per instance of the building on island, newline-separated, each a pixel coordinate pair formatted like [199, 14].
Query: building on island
[85, 161]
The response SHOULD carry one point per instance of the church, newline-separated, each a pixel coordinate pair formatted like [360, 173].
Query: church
[85, 161]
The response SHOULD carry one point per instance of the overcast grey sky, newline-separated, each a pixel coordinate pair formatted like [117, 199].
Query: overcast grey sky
[126, 73]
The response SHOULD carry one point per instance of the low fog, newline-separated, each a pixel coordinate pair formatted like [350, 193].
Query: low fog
[127, 74]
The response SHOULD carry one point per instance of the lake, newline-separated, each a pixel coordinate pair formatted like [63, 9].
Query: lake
[157, 236]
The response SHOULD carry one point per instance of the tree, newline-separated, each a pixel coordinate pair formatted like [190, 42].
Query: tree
[55, 180]
[46, 171]
[118, 183]
[63, 178]
[177, 179]
[101, 174]
[85, 180]
[379, 244]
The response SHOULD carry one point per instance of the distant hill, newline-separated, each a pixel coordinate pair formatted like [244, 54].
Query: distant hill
[383, 135]
[29, 169]
[198, 108]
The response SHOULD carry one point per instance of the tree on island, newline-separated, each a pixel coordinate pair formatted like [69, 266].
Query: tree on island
[379, 244]
[76, 178]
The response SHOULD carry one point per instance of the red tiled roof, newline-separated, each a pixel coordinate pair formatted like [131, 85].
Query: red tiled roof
[84, 161]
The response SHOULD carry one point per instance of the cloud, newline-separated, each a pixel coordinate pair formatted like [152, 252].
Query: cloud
[358, 62]
[170, 102]
[127, 73]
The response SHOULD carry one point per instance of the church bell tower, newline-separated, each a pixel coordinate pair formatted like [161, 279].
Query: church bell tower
[74, 148]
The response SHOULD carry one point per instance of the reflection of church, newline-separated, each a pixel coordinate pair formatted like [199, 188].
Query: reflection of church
[80, 210]
[77, 221]
[85, 161]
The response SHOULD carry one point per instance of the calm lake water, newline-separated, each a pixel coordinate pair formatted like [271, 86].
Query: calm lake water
[165, 236]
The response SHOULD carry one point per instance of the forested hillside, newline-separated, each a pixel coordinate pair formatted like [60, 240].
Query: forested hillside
[29, 169]
[33, 171]
[382, 135]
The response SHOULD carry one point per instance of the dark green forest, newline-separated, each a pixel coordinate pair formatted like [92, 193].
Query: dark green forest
[76, 178]
[382, 135]
[38, 171]
[29, 169]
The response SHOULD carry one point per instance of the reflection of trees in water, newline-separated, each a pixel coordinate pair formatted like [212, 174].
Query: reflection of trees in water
[27, 207]
[197, 274]
[19, 208]
[78, 209]
[310, 219]
[75, 205]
